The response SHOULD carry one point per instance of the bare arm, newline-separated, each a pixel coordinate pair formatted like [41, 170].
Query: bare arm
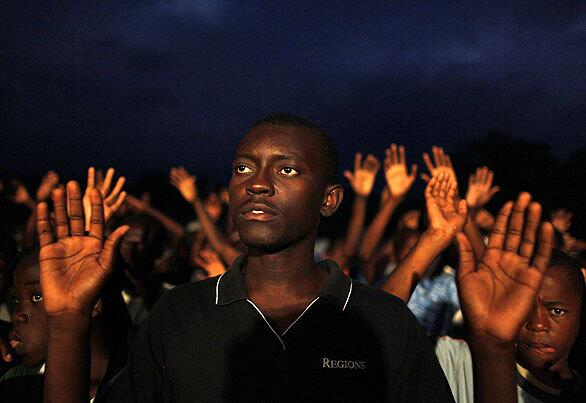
[172, 226]
[73, 269]
[496, 294]
[186, 184]
[399, 182]
[362, 182]
[445, 221]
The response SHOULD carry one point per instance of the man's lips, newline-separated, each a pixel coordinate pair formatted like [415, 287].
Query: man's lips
[257, 212]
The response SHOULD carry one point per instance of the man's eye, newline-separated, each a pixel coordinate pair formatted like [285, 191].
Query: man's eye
[288, 171]
[243, 169]
[37, 297]
[557, 311]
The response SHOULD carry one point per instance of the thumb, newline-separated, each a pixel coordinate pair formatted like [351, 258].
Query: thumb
[111, 246]
[494, 190]
[425, 177]
[348, 175]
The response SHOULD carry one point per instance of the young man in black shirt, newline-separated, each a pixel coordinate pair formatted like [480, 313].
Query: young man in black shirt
[276, 327]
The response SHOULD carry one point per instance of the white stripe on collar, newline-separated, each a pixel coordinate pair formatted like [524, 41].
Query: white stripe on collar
[217, 285]
[348, 297]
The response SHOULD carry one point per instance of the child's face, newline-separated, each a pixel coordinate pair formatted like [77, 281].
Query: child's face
[552, 326]
[29, 335]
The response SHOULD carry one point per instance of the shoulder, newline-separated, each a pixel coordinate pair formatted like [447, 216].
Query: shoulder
[366, 299]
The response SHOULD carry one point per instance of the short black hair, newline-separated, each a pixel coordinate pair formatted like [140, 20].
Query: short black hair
[570, 267]
[329, 161]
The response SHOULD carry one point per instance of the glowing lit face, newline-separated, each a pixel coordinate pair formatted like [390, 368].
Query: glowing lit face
[29, 334]
[276, 189]
[552, 327]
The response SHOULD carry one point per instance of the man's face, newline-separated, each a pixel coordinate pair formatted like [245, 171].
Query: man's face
[551, 329]
[29, 335]
[276, 190]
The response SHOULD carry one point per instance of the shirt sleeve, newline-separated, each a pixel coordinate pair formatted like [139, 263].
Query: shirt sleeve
[456, 361]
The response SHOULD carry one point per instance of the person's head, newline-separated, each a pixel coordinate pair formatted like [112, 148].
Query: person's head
[144, 241]
[29, 334]
[283, 181]
[553, 325]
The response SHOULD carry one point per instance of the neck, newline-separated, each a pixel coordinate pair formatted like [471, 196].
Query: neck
[291, 271]
[553, 375]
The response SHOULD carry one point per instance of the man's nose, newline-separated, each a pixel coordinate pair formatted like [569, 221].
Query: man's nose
[260, 184]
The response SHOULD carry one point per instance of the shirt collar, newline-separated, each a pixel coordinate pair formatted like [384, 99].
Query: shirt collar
[230, 286]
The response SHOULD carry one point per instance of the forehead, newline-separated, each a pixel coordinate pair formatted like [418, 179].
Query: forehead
[557, 285]
[26, 271]
[268, 140]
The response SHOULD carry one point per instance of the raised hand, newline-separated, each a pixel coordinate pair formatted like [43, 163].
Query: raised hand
[74, 267]
[49, 181]
[496, 295]
[213, 206]
[21, 195]
[398, 180]
[112, 199]
[136, 204]
[441, 163]
[184, 182]
[561, 219]
[480, 189]
[362, 179]
[446, 219]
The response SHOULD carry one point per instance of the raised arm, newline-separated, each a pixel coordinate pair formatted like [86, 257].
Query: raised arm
[172, 226]
[362, 181]
[73, 269]
[399, 182]
[186, 184]
[496, 294]
[446, 219]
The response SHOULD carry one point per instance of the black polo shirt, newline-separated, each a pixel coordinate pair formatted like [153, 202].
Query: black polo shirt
[208, 342]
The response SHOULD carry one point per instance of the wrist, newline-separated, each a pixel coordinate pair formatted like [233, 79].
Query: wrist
[438, 236]
[30, 203]
[68, 323]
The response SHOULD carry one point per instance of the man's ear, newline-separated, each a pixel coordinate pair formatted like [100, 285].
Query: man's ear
[97, 309]
[333, 196]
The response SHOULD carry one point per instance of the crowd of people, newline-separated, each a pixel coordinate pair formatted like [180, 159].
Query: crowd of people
[104, 297]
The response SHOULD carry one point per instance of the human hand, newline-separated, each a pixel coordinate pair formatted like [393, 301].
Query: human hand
[409, 220]
[49, 181]
[184, 182]
[21, 195]
[362, 179]
[497, 294]
[6, 352]
[210, 261]
[112, 200]
[561, 219]
[446, 219]
[480, 189]
[442, 163]
[73, 269]
[398, 180]
[213, 206]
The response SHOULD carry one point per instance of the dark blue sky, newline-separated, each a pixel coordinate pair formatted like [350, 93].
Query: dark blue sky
[150, 84]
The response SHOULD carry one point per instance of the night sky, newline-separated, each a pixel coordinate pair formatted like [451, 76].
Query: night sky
[145, 85]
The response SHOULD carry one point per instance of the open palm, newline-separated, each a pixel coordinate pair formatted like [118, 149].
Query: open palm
[497, 294]
[74, 268]
[399, 181]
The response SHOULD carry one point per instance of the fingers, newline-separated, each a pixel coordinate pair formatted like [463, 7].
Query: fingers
[60, 208]
[111, 246]
[530, 233]
[394, 154]
[517, 221]
[91, 177]
[541, 259]
[76, 215]
[467, 263]
[371, 163]
[117, 188]
[413, 172]
[428, 164]
[425, 178]
[44, 225]
[357, 161]
[499, 229]
[402, 159]
[5, 350]
[105, 188]
[349, 175]
[116, 206]
[97, 214]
